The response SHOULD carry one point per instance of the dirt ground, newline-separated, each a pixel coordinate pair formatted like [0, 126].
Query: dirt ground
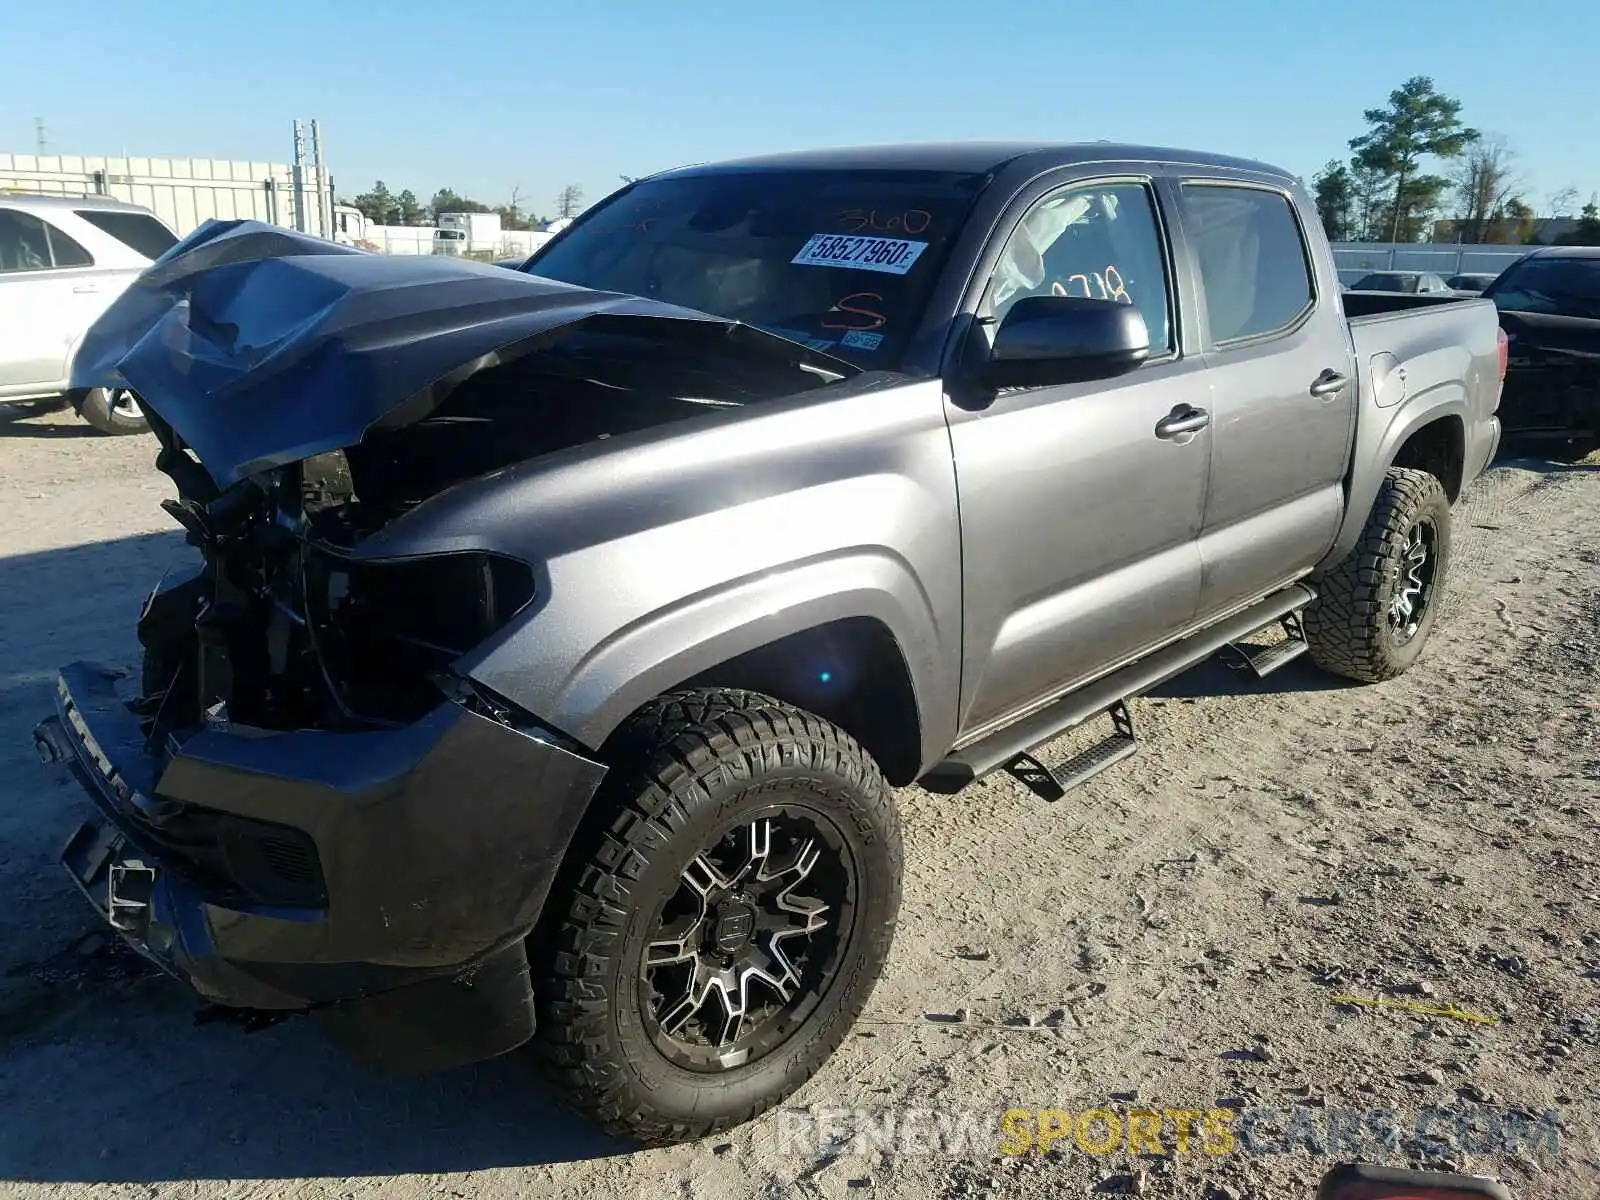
[1173, 936]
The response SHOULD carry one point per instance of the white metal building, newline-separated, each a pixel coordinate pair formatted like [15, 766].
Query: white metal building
[183, 192]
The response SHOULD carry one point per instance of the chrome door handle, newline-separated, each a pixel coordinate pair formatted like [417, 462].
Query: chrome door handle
[1181, 420]
[1329, 383]
[82, 288]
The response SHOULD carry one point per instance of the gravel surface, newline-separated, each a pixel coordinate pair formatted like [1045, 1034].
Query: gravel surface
[1192, 930]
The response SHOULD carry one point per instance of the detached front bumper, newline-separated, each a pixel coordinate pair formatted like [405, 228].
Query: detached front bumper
[384, 879]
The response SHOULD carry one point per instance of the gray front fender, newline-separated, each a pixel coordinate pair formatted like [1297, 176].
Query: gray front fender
[664, 648]
[663, 553]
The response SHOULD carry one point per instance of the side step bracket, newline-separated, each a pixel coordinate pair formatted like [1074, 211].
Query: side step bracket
[1264, 661]
[1011, 746]
[1050, 784]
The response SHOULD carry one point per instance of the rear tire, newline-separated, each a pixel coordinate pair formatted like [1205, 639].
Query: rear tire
[644, 926]
[113, 410]
[1374, 611]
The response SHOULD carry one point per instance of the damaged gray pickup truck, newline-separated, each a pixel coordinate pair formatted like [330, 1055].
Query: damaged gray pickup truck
[554, 641]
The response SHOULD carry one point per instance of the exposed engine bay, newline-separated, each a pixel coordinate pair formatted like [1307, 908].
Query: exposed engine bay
[306, 396]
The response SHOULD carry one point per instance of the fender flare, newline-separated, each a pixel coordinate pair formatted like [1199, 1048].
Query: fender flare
[668, 646]
[1375, 453]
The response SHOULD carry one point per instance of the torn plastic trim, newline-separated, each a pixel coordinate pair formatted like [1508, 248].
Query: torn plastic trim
[258, 346]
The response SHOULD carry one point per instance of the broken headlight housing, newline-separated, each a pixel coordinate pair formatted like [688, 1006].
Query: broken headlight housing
[384, 631]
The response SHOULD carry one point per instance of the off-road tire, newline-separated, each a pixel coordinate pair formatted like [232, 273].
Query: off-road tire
[683, 766]
[97, 409]
[1347, 625]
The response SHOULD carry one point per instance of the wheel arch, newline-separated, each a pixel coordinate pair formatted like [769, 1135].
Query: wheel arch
[1428, 432]
[852, 672]
[853, 638]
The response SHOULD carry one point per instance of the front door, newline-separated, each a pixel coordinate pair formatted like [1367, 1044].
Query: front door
[1078, 518]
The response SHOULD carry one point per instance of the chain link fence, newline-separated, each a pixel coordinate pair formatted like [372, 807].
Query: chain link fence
[1355, 259]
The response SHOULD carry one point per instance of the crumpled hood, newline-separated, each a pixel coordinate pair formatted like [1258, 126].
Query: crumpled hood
[261, 346]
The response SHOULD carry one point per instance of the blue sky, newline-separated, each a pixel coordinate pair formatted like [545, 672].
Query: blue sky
[482, 97]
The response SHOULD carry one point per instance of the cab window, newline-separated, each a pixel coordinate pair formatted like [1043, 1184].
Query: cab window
[1254, 268]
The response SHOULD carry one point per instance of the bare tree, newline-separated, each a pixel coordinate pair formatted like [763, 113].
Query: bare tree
[1484, 181]
[1558, 205]
[570, 202]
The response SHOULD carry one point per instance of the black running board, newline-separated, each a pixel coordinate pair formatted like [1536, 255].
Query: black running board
[1263, 662]
[1012, 743]
[1052, 783]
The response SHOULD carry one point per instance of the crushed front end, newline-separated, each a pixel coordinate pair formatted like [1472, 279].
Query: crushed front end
[300, 807]
[304, 805]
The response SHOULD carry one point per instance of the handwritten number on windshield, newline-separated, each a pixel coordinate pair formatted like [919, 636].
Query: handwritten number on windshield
[912, 221]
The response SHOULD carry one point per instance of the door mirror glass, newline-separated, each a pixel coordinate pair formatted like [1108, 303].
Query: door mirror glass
[1046, 340]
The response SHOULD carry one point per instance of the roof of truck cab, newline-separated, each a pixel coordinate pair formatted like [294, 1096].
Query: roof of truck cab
[1564, 252]
[973, 157]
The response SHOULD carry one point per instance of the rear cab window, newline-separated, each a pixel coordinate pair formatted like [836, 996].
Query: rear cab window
[141, 233]
[839, 260]
[1253, 262]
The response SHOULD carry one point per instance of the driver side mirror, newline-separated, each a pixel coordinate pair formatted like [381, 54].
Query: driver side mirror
[1047, 340]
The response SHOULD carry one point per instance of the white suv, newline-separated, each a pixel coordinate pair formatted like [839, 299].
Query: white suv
[63, 260]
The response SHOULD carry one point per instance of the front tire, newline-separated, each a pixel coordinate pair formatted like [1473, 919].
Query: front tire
[729, 913]
[1374, 611]
[113, 410]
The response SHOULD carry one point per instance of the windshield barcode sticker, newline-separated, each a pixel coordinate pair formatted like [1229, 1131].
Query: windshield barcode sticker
[890, 256]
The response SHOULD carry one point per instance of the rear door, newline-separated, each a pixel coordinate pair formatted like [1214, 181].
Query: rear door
[1283, 388]
[1078, 518]
[49, 295]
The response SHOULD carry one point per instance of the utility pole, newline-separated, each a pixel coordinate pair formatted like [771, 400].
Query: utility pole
[324, 203]
[38, 136]
[298, 184]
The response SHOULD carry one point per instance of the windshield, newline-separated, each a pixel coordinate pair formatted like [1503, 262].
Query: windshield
[1568, 287]
[838, 260]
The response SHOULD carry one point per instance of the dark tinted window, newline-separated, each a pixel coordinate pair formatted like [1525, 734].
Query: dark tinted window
[839, 260]
[1099, 241]
[65, 252]
[1563, 286]
[1386, 283]
[1252, 258]
[140, 233]
[29, 244]
[23, 244]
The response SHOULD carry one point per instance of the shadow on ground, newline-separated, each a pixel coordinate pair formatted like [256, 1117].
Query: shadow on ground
[20, 422]
[125, 1088]
[103, 1075]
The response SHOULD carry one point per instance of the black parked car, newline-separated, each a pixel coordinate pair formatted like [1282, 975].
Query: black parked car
[1549, 306]
[1472, 283]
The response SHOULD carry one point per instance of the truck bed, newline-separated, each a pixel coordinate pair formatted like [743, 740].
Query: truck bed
[1419, 355]
[1364, 305]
